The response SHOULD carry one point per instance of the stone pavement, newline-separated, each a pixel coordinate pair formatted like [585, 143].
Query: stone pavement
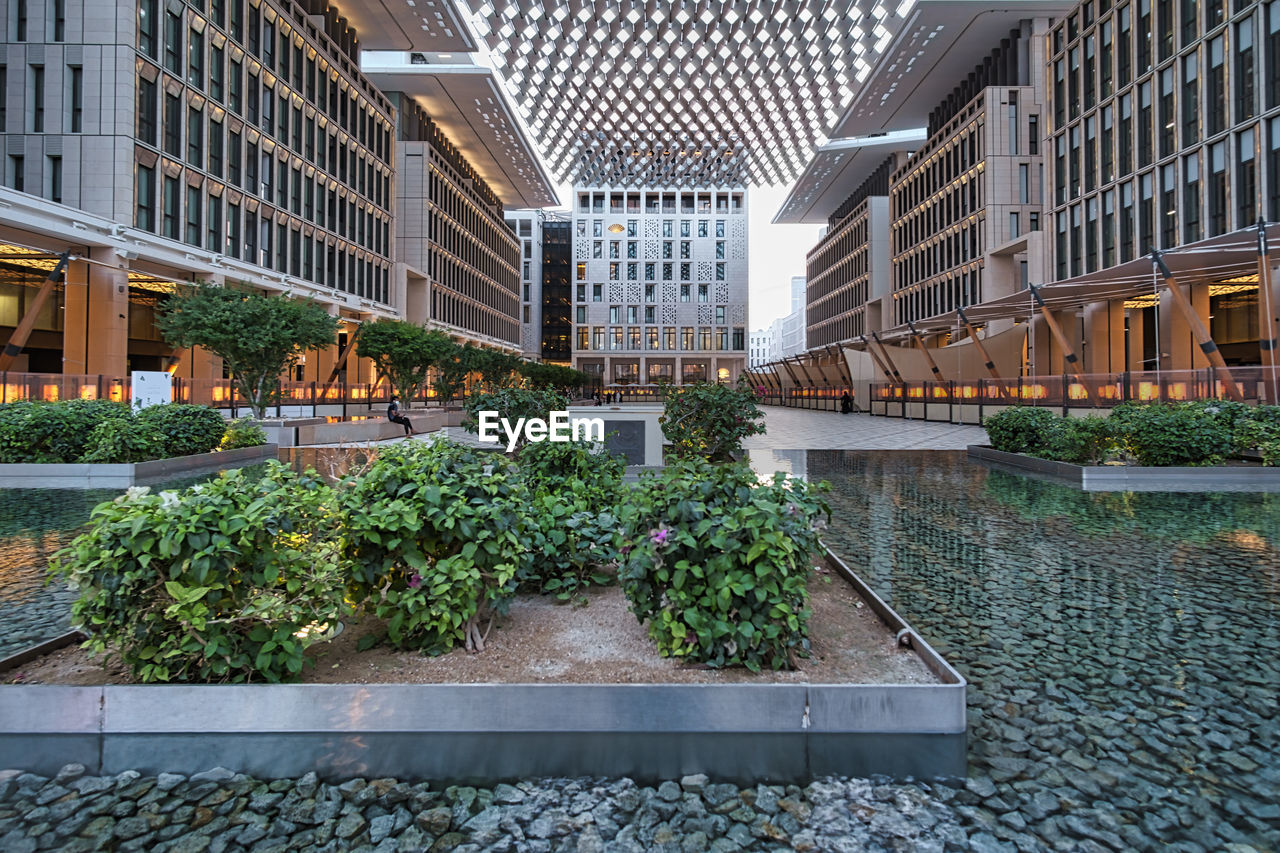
[803, 429]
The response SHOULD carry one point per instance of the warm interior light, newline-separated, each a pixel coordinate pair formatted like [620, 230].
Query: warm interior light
[617, 228]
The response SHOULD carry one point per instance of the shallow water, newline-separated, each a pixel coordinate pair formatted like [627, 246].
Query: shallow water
[1123, 650]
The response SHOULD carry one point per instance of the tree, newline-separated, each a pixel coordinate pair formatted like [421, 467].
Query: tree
[258, 336]
[402, 351]
[543, 375]
[451, 371]
[496, 368]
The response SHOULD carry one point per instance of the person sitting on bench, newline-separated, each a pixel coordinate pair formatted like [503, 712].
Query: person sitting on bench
[393, 415]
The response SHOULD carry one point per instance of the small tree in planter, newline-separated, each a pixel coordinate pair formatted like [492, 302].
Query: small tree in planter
[708, 420]
[452, 368]
[402, 351]
[718, 563]
[258, 336]
[497, 369]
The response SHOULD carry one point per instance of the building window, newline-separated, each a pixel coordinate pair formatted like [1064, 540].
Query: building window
[148, 28]
[1109, 228]
[172, 125]
[1217, 194]
[173, 43]
[21, 32]
[144, 215]
[233, 230]
[75, 99]
[193, 216]
[170, 213]
[37, 99]
[1216, 96]
[1168, 206]
[1144, 124]
[195, 137]
[55, 178]
[18, 173]
[235, 92]
[1273, 169]
[1245, 71]
[1246, 181]
[1273, 55]
[1191, 199]
[213, 225]
[1190, 100]
[147, 111]
[195, 59]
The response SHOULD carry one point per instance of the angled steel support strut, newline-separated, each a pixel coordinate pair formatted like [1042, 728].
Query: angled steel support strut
[1202, 336]
[18, 340]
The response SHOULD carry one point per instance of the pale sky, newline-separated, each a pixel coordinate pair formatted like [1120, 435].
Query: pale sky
[775, 254]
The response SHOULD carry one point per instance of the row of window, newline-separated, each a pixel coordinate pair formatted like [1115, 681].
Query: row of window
[469, 231]
[691, 339]
[956, 290]
[34, 98]
[628, 372]
[1169, 112]
[166, 114]
[842, 327]
[632, 228]
[248, 231]
[650, 293]
[633, 314]
[1203, 194]
[632, 270]
[450, 307]
[16, 176]
[256, 37]
[660, 202]
[632, 249]
[1116, 49]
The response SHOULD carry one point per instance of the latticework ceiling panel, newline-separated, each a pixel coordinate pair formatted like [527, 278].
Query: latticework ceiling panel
[692, 92]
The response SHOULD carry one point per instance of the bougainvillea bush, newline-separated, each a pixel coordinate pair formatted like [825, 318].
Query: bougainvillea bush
[436, 538]
[224, 581]
[709, 421]
[719, 563]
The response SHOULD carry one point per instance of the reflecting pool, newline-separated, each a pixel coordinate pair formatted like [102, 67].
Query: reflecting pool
[1123, 650]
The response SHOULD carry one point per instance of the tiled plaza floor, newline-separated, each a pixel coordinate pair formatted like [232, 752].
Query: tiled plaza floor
[802, 429]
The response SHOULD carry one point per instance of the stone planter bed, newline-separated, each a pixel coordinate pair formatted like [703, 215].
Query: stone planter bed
[559, 691]
[1241, 477]
[76, 475]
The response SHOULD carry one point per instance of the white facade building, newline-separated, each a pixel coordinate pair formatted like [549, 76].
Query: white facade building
[527, 225]
[660, 283]
[761, 347]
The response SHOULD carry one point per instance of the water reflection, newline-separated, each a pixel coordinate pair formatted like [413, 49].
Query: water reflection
[1122, 647]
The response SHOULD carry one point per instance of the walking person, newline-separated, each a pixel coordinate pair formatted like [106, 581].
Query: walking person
[846, 403]
[393, 415]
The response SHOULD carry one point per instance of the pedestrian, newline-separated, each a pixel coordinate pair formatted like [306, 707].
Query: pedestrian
[393, 415]
[846, 403]
[597, 398]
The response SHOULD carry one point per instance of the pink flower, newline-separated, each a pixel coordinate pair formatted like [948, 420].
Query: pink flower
[415, 581]
[659, 536]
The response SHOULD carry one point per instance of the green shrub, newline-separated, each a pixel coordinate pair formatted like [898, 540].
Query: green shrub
[1021, 429]
[52, 432]
[123, 440]
[1162, 434]
[214, 583]
[709, 421]
[719, 564]
[573, 466]
[242, 432]
[186, 430]
[1270, 451]
[436, 536]
[1080, 441]
[513, 404]
[1249, 434]
[572, 521]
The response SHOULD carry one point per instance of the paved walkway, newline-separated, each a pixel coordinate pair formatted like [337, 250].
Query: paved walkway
[803, 429]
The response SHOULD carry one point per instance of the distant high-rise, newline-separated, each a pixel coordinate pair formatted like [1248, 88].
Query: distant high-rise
[660, 284]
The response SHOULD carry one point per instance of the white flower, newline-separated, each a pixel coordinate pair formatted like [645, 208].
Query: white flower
[134, 492]
[168, 500]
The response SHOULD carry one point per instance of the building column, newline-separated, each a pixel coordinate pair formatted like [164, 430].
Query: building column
[1176, 338]
[1104, 337]
[95, 337]
[1137, 340]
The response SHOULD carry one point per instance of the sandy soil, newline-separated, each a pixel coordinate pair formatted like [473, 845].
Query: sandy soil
[543, 640]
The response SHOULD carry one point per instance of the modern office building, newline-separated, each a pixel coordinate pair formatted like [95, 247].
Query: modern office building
[527, 226]
[557, 289]
[660, 283]
[243, 141]
[759, 351]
